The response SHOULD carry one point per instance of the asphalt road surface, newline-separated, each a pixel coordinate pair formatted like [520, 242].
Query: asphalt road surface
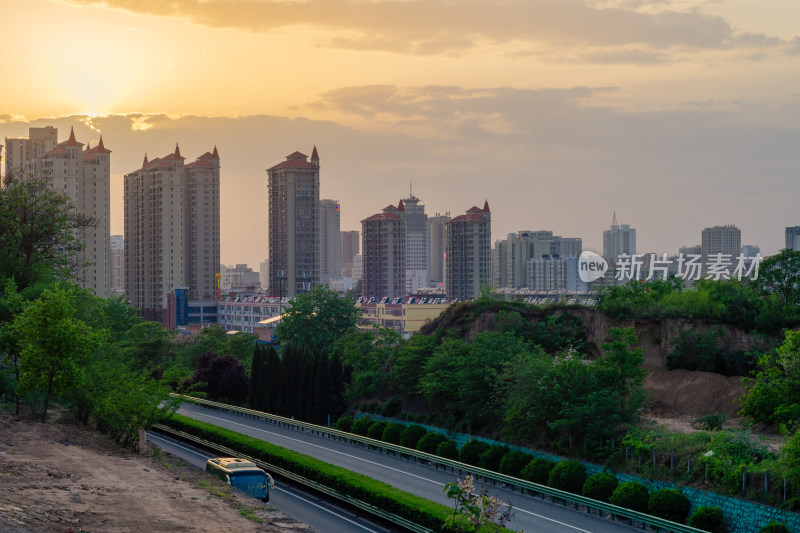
[322, 515]
[530, 514]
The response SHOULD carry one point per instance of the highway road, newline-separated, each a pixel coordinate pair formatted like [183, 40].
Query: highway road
[530, 514]
[322, 515]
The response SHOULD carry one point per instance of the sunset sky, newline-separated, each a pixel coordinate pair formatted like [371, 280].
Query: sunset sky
[675, 114]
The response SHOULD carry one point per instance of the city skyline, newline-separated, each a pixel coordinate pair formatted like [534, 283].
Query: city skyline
[678, 116]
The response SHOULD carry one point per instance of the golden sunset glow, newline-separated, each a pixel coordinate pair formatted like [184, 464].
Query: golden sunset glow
[607, 103]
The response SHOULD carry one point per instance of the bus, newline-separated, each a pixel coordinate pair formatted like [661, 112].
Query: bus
[244, 475]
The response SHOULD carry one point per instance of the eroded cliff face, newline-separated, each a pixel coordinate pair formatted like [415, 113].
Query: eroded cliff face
[683, 392]
[655, 336]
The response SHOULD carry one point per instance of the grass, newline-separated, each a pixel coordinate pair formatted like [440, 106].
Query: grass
[224, 493]
[250, 514]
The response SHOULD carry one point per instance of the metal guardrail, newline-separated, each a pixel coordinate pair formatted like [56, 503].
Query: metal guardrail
[659, 524]
[371, 509]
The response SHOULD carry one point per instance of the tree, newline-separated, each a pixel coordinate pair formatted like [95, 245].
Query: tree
[772, 394]
[780, 274]
[52, 343]
[224, 377]
[317, 319]
[39, 233]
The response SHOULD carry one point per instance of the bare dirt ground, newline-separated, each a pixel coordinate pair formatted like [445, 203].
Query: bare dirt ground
[63, 477]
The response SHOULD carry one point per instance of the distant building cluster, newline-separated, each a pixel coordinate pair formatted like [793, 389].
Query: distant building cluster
[410, 265]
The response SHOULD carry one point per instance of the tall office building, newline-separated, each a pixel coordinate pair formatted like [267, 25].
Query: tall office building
[437, 239]
[383, 253]
[721, 240]
[469, 253]
[617, 241]
[84, 176]
[330, 240]
[117, 265]
[263, 274]
[351, 247]
[793, 238]
[171, 232]
[416, 244]
[294, 227]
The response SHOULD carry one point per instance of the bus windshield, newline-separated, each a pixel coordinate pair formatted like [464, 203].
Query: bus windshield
[251, 483]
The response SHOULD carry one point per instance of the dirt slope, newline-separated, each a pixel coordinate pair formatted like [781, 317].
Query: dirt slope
[61, 477]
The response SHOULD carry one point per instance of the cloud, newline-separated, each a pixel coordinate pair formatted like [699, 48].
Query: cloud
[443, 26]
[561, 159]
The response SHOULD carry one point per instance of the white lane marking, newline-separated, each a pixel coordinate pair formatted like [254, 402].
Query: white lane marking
[372, 462]
[438, 483]
[149, 436]
[327, 510]
[551, 520]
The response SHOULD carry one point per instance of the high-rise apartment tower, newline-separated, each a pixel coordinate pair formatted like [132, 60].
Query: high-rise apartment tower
[294, 227]
[172, 224]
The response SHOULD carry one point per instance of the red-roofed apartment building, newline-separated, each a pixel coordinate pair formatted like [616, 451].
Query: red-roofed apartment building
[84, 176]
[468, 253]
[294, 225]
[383, 253]
[171, 233]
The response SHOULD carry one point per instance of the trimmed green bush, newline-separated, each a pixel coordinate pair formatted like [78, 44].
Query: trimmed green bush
[430, 442]
[538, 471]
[708, 519]
[774, 527]
[568, 476]
[361, 426]
[470, 452]
[448, 450]
[345, 423]
[670, 504]
[490, 459]
[600, 486]
[393, 432]
[375, 431]
[631, 495]
[411, 436]
[414, 508]
[513, 463]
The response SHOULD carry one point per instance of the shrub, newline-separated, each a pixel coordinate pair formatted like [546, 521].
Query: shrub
[375, 431]
[708, 519]
[600, 486]
[448, 450]
[361, 426]
[393, 432]
[538, 471]
[490, 459]
[391, 408]
[470, 452]
[670, 504]
[709, 422]
[568, 475]
[631, 495]
[513, 463]
[411, 436]
[345, 423]
[774, 527]
[430, 442]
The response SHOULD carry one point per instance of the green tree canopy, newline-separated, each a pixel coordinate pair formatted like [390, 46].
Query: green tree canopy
[39, 231]
[53, 342]
[317, 319]
[780, 274]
